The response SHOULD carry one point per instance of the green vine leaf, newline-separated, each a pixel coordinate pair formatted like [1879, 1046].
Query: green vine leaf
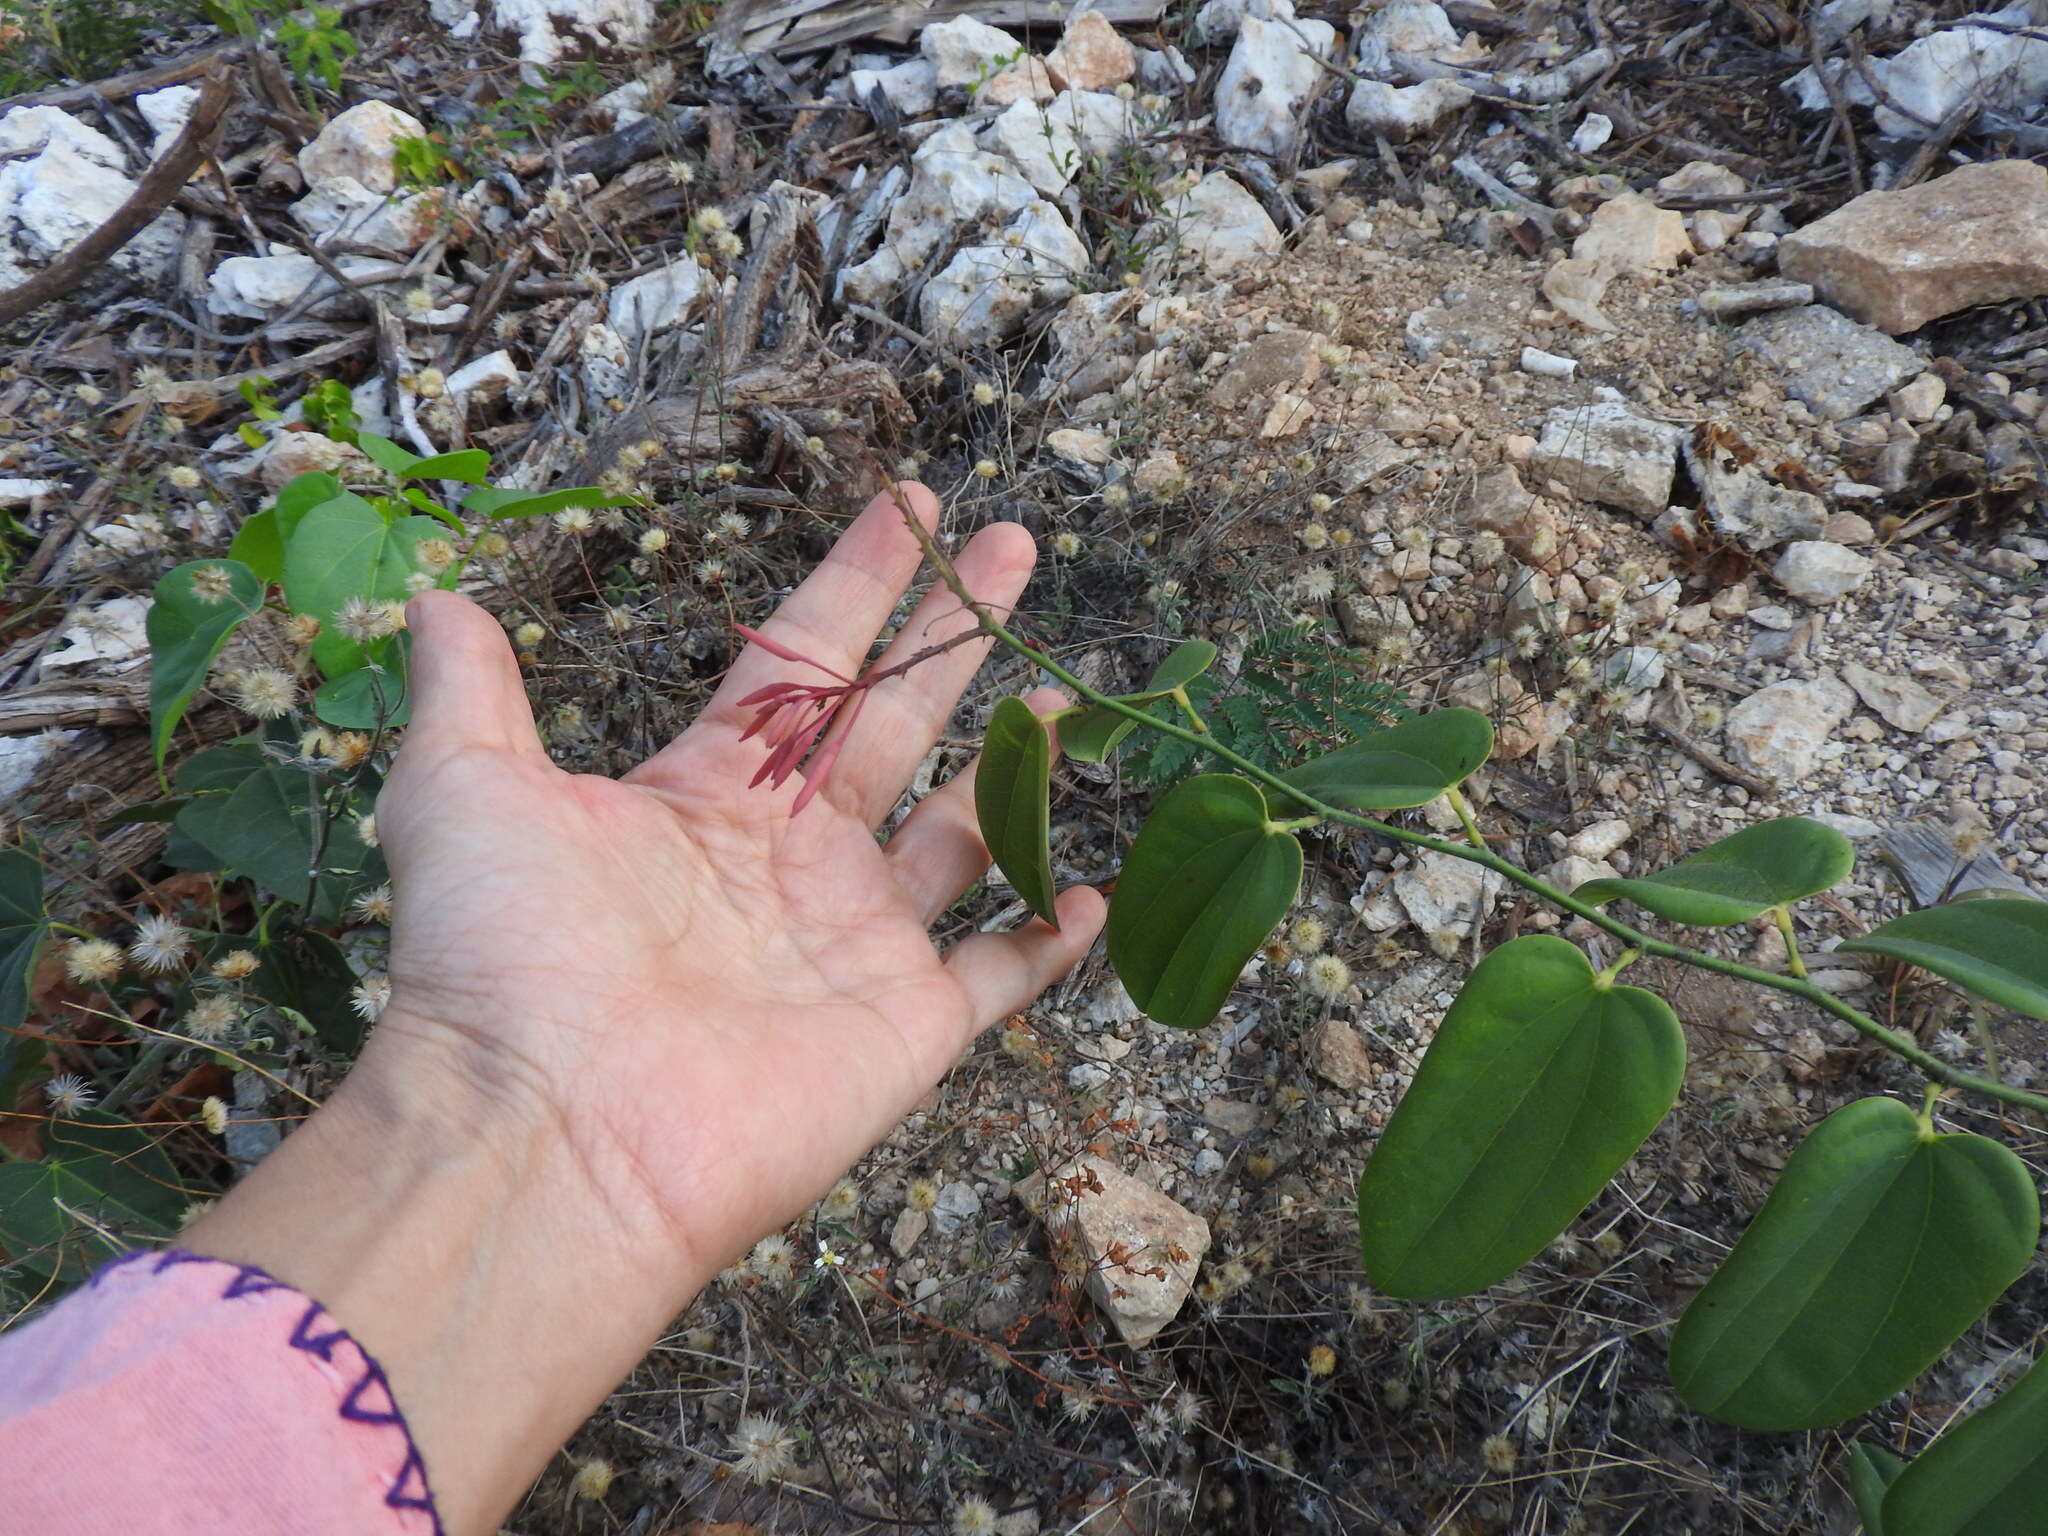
[1731, 881]
[501, 503]
[1872, 1470]
[266, 828]
[1880, 1244]
[1011, 794]
[22, 927]
[345, 548]
[1209, 877]
[104, 1170]
[186, 629]
[1541, 1082]
[1993, 946]
[1988, 1476]
[373, 697]
[1095, 732]
[259, 543]
[1401, 765]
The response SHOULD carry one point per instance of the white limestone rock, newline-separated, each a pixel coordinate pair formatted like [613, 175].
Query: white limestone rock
[166, 111]
[549, 28]
[1605, 452]
[1215, 227]
[987, 289]
[360, 144]
[954, 181]
[59, 181]
[964, 50]
[486, 377]
[1778, 731]
[110, 636]
[1817, 572]
[1401, 112]
[1266, 87]
[657, 301]
[1108, 1213]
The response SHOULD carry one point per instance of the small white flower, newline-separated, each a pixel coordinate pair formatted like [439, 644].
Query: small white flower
[974, 1517]
[731, 525]
[211, 1018]
[371, 996]
[266, 692]
[373, 906]
[765, 1449]
[827, 1258]
[159, 944]
[69, 1093]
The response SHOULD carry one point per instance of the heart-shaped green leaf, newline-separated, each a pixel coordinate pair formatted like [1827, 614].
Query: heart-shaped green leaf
[502, 503]
[373, 697]
[267, 829]
[1092, 734]
[1209, 877]
[387, 455]
[345, 548]
[1880, 1244]
[1010, 802]
[1988, 1476]
[259, 543]
[1994, 946]
[1409, 763]
[21, 936]
[1745, 873]
[1871, 1471]
[1541, 1082]
[106, 1171]
[198, 605]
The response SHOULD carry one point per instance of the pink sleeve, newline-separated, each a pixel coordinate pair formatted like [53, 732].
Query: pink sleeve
[173, 1395]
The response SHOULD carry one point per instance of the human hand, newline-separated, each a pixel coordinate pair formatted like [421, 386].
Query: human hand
[644, 1021]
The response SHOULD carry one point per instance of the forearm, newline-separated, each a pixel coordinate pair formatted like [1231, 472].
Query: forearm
[462, 1250]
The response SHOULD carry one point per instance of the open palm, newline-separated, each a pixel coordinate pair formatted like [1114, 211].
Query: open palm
[719, 1004]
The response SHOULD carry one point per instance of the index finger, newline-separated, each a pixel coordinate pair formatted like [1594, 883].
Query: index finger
[832, 618]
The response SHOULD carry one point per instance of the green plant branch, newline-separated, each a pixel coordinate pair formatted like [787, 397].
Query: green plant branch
[1898, 1043]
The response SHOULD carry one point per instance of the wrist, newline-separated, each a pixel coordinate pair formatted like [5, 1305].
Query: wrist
[452, 1233]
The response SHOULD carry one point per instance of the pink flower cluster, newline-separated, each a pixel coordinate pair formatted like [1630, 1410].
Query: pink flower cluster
[790, 717]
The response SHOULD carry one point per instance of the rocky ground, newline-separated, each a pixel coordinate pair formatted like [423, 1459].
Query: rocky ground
[1658, 382]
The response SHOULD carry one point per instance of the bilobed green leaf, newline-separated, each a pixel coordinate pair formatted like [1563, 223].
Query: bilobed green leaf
[259, 543]
[186, 631]
[467, 465]
[1988, 1476]
[1010, 802]
[1095, 732]
[22, 927]
[1745, 873]
[387, 455]
[1880, 1244]
[1871, 1471]
[1994, 946]
[110, 1173]
[344, 548]
[503, 503]
[266, 830]
[1209, 877]
[373, 697]
[1409, 763]
[1541, 1082]
[308, 974]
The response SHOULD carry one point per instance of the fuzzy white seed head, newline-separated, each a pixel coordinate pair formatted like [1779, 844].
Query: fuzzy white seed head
[1486, 549]
[267, 692]
[1707, 716]
[984, 394]
[211, 1018]
[731, 525]
[1413, 538]
[973, 1516]
[89, 394]
[372, 906]
[212, 584]
[1319, 503]
[773, 1259]
[213, 1114]
[653, 541]
[711, 220]
[69, 1094]
[529, 635]
[491, 544]
[160, 944]
[987, 469]
[364, 619]
[1326, 977]
[1316, 583]
[436, 555]
[1155, 1426]
[1308, 936]
[366, 828]
[1115, 496]
[575, 521]
[370, 996]
[1498, 1452]
[727, 245]
[922, 1195]
[235, 964]
[1313, 536]
[430, 383]
[764, 1449]
[679, 172]
[1578, 669]
[1067, 545]
[593, 1478]
[710, 572]
[1527, 640]
[92, 962]
[183, 476]
[842, 1204]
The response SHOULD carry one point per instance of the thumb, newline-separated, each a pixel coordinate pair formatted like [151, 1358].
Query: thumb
[466, 689]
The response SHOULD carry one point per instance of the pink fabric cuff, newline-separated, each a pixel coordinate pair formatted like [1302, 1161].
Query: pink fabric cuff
[174, 1394]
